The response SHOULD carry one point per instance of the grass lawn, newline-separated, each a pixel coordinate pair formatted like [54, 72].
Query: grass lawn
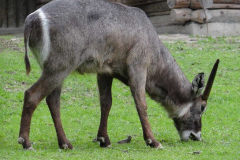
[80, 109]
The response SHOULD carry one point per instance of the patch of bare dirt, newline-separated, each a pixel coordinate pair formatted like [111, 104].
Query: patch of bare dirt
[171, 38]
[12, 44]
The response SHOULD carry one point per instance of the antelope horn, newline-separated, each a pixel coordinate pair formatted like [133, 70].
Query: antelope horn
[210, 81]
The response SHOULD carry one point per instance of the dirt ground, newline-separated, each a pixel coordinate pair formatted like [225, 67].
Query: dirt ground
[12, 43]
[177, 37]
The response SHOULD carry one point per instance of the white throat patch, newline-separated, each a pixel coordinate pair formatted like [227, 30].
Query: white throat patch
[183, 110]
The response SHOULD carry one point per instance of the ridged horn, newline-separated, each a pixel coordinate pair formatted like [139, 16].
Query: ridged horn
[210, 81]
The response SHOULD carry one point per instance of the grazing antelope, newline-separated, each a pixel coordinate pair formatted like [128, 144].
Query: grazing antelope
[114, 41]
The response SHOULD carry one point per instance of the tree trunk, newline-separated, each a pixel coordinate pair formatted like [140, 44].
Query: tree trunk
[155, 7]
[181, 15]
[158, 13]
[136, 2]
[3, 13]
[139, 2]
[227, 1]
[173, 4]
[200, 17]
[196, 5]
[225, 15]
[21, 12]
[12, 13]
[220, 15]
[31, 6]
[206, 3]
[42, 2]
[164, 20]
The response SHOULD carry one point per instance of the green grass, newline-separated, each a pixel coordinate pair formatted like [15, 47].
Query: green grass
[80, 109]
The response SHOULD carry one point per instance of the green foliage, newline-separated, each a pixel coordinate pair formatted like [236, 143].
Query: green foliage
[80, 111]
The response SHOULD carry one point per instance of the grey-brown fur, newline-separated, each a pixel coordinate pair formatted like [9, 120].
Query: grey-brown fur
[114, 41]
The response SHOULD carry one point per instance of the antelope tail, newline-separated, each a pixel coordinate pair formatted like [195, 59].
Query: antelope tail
[27, 32]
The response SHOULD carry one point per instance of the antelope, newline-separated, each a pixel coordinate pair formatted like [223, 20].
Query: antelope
[114, 41]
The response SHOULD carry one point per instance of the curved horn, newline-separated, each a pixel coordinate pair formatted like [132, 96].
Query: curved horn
[210, 81]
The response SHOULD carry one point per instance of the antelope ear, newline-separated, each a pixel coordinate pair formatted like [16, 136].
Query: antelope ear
[198, 84]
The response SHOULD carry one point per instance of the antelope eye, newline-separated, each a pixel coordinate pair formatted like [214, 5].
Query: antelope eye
[202, 108]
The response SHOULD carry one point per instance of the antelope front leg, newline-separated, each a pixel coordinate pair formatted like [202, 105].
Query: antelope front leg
[53, 101]
[141, 106]
[104, 86]
[137, 85]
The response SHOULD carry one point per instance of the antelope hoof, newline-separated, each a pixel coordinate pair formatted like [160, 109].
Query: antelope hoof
[24, 143]
[104, 142]
[30, 149]
[95, 140]
[21, 140]
[154, 144]
[66, 146]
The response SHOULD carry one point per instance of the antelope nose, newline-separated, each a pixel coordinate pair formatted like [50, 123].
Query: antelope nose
[195, 136]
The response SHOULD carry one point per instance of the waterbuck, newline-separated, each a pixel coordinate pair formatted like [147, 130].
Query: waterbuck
[114, 41]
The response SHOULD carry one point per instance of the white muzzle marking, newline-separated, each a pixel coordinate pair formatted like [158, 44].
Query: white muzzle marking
[185, 135]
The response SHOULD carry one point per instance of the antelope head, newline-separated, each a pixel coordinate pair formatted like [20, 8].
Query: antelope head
[189, 125]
